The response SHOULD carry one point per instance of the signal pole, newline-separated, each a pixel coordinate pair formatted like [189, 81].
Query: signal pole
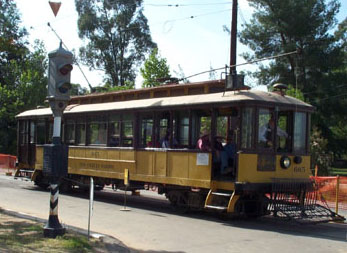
[55, 156]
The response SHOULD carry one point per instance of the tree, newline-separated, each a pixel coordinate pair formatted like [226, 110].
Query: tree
[118, 37]
[22, 74]
[318, 71]
[155, 68]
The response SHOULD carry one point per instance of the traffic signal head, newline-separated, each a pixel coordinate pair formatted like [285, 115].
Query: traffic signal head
[60, 66]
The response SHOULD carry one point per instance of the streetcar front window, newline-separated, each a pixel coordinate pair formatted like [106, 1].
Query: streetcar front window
[300, 132]
[266, 127]
[247, 128]
[284, 131]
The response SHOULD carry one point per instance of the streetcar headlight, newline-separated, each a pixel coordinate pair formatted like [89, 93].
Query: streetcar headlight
[285, 162]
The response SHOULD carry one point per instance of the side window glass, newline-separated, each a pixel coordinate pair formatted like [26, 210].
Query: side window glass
[147, 132]
[41, 131]
[300, 132]
[97, 131]
[115, 131]
[183, 129]
[247, 128]
[32, 132]
[127, 131]
[69, 135]
[80, 133]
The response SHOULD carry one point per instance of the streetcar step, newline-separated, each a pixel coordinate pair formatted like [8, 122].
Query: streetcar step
[221, 208]
[222, 194]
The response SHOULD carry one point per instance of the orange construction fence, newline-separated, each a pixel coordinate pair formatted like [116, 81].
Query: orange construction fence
[332, 191]
[7, 161]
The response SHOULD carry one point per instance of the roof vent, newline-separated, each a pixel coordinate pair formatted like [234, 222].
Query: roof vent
[280, 88]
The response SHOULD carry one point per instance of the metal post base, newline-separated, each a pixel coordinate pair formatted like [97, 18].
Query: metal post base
[53, 228]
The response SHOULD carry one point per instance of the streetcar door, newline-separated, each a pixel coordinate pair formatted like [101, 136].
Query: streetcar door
[23, 141]
[26, 143]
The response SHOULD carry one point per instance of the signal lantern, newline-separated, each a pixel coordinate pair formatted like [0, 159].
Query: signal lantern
[60, 67]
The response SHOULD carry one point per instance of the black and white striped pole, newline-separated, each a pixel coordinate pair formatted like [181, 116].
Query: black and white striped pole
[55, 155]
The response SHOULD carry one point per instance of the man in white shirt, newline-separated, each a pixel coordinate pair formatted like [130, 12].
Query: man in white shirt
[265, 133]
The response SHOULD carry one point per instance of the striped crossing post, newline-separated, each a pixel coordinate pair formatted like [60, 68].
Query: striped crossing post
[53, 228]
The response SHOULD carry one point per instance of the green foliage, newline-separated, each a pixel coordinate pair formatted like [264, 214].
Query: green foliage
[296, 93]
[77, 89]
[319, 71]
[117, 35]
[319, 154]
[154, 68]
[22, 74]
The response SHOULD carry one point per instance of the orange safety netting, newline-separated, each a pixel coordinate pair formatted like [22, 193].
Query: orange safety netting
[7, 161]
[327, 188]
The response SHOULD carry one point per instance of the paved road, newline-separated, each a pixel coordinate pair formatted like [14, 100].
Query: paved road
[152, 226]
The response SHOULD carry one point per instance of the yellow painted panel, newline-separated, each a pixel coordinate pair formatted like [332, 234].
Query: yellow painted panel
[144, 162]
[71, 152]
[39, 158]
[160, 163]
[80, 152]
[247, 170]
[96, 153]
[77, 165]
[178, 164]
[201, 172]
[113, 154]
[127, 155]
[301, 170]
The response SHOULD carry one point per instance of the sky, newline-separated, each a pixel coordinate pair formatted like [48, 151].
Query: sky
[190, 36]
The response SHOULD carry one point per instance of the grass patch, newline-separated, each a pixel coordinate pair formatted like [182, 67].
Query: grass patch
[20, 235]
[338, 171]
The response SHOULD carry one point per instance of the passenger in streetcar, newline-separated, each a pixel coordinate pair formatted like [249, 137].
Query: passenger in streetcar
[265, 133]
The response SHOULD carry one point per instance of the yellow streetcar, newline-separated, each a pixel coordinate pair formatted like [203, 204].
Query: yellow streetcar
[241, 152]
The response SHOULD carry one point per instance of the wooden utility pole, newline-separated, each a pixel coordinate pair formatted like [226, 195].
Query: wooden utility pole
[233, 38]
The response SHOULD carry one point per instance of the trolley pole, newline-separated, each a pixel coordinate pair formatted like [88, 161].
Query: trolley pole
[55, 155]
[233, 39]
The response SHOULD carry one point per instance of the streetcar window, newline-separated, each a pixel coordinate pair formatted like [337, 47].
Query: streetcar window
[69, 134]
[115, 131]
[201, 125]
[265, 128]
[127, 131]
[247, 128]
[50, 131]
[183, 128]
[23, 132]
[32, 132]
[163, 131]
[147, 132]
[97, 131]
[81, 133]
[222, 125]
[300, 132]
[284, 124]
[41, 129]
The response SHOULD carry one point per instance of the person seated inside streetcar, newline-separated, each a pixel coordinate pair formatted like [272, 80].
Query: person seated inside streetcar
[265, 133]
[204, 143]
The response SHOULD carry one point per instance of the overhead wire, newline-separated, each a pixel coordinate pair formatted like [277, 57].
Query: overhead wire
[184, 5]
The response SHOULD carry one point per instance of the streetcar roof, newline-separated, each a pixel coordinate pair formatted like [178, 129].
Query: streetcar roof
[243, 96]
